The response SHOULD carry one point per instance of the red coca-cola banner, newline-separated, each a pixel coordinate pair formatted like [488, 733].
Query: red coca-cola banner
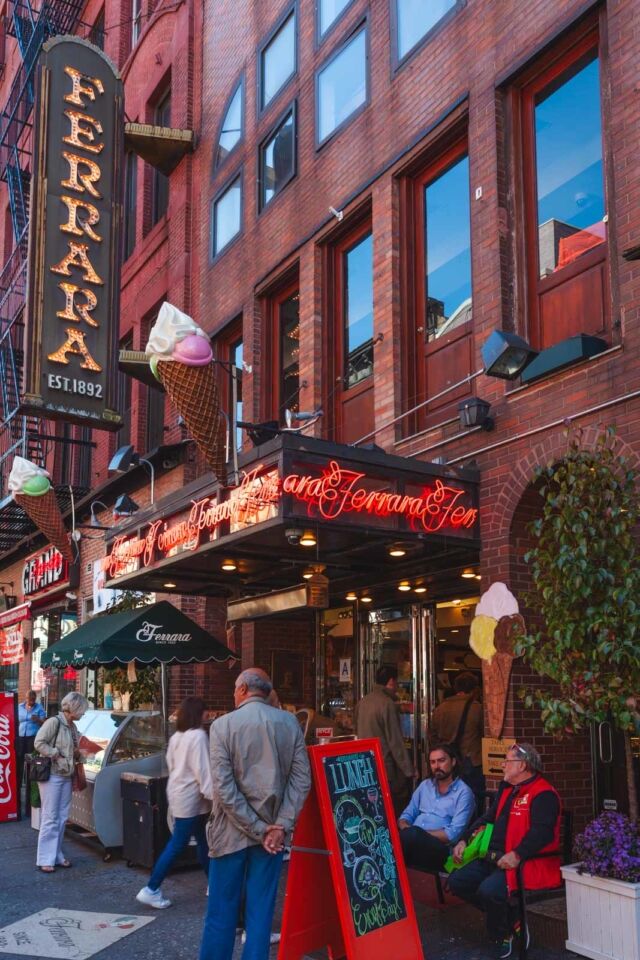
[8, 759]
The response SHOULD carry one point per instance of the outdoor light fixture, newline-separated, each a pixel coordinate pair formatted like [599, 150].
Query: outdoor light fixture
[124, 507]
[505, 355]
[308, 539]
[468, 574]
[315, 568]
[169, 586]
[365, 598]
[260, 433]
[474, 412]
[396, 550]
[94, 522]
[404, 586]
[229, 565]
[126, 457]
[419, 589]
[351, 596]
[307, 573]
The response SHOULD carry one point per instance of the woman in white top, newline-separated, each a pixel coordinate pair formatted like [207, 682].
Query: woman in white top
[189, 792]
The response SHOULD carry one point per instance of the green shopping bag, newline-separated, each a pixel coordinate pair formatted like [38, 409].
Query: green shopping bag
[476, 849]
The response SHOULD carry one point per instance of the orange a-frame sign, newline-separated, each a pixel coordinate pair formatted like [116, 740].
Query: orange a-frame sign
[347, 887]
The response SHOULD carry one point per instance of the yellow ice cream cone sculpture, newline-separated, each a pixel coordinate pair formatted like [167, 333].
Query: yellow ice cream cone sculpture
[493, 628]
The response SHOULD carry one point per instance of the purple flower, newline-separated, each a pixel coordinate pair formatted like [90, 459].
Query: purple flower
[610, 847]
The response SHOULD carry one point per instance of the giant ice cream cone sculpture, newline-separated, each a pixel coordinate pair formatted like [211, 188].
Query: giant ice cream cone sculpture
[181, 358]
[496, 623]
[31, 489]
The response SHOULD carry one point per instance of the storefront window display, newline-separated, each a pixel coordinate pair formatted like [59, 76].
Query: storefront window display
[338, 697]
[452, 653]
[48, 628]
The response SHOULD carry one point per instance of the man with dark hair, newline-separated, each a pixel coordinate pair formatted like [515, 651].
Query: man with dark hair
[459, 720]
[526, 820]
[438, 813]
[377, 716]
[31, 716]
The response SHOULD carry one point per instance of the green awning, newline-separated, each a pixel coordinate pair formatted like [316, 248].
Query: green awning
[159, 633]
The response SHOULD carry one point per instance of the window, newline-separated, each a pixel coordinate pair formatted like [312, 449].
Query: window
[328, 13]
[232, 125]
[136, 21]
[358, 311]
[565, 198]
[278, 159]
[96, 34]
[228, 348]
[154, 424]
[342, 85]
[284, 347]
[160, 197]
[414, 19]
[227, 214]
[123, 397]
[130, 201]
[278, 60]
[438, 323]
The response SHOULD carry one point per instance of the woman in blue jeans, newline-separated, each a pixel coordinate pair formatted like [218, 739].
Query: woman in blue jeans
[189, 793]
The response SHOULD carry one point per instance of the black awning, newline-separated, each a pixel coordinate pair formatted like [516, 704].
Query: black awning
[159, 633]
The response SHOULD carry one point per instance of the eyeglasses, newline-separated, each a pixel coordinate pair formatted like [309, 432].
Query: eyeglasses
[522, 754]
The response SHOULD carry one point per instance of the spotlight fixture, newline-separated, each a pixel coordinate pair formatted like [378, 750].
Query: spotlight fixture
[419, 589]
[308, 539]
[396, 550]
[229, 566]
[124, 506]
[505, 355]
[352, 596]
[260, 433]
[169, 586]
[404, 586]
[126, 457]
[365, 598]
[474, 412]
[468, 574]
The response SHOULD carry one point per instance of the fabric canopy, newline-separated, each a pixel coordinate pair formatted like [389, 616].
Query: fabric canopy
[159, 633]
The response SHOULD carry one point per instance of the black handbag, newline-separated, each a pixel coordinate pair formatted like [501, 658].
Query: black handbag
[40, 767]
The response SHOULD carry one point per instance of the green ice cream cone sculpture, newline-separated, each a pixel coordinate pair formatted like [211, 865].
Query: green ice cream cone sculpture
[181, 358]
[31, 489]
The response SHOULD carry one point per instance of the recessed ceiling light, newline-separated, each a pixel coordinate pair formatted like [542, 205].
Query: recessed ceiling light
[365, 598]
[455, 631]
[352, 596]
[442, 639]
[169, 586]
[307, 573]
[419, 589]
[396, 550]
[308, 539]
[404, 585]
[468, 574]
[229, 565]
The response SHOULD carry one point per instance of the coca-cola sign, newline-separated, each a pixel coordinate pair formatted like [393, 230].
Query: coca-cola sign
[8, 772]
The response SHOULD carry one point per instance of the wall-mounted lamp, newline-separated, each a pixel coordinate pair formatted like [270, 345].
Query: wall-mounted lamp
[474, 412]
[124, 507]
[260, 433]
[505, 355]
[125, 458]
[94, 522]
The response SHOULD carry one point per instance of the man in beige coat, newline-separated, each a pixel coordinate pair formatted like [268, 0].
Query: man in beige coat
[377, 716]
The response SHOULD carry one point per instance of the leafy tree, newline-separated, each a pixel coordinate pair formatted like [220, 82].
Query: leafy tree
[586, 576]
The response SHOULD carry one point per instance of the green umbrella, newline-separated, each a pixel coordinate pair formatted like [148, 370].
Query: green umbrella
[159, 633]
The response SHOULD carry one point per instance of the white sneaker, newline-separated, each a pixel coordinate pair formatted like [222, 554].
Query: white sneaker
[274, 938]
[153, 898]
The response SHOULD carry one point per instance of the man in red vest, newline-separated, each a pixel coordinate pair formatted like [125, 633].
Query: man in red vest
[526, 821]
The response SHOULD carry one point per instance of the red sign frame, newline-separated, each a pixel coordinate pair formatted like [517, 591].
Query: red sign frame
[9, 807]
[317, 911]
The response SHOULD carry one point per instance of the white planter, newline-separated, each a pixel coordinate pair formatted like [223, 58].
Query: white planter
[35, 818]
[603, 916]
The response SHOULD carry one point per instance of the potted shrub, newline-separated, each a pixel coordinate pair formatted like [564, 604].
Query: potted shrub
[603, 890]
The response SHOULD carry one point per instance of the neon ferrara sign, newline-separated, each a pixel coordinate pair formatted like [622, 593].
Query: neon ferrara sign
[335, 494]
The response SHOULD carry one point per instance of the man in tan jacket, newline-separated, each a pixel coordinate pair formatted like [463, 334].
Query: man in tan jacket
[377, 716]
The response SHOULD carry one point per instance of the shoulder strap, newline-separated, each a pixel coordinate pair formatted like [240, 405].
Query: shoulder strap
[463, 722]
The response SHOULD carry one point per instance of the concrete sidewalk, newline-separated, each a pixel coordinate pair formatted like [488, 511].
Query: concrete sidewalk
[92, 885]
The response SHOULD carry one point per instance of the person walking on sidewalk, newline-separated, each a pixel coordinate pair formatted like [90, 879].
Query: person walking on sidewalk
[58, 739]
[261, 778]
[31, 716]
[189, 792]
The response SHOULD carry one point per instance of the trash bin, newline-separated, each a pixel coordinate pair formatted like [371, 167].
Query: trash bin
[144, 818]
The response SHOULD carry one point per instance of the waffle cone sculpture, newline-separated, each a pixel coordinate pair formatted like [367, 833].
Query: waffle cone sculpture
[493, 629]
[45, 513]
[495, 689]
[194, 393]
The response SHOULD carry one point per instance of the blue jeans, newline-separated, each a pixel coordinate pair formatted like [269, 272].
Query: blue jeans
[184, 828]
[256, 873]
[485, 886]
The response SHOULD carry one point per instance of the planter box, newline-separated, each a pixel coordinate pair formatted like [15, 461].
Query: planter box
[603, 916]
[35, 818]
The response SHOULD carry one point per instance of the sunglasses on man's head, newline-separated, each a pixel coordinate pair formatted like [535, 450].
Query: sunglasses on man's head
[520, 751]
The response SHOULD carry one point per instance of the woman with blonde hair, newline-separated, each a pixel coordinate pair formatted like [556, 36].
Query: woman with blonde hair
[58, 739]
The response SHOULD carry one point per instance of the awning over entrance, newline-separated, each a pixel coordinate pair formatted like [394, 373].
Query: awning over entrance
[159, 633]
[355, 503]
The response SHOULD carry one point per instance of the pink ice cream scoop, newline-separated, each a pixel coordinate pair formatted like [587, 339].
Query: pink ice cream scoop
[193, 351]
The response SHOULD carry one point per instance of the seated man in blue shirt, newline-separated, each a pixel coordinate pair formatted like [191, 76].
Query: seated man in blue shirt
[438, 813]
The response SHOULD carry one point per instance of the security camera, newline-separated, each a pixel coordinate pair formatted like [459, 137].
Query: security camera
[293, 536]
[71, 596]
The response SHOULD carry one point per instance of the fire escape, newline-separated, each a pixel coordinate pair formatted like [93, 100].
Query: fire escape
[26, 436]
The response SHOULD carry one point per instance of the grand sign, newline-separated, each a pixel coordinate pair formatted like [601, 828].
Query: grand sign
[44, 571]
[74, 240]
[329, 493]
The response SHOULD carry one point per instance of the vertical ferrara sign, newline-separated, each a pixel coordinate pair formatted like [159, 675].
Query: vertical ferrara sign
[74, 240]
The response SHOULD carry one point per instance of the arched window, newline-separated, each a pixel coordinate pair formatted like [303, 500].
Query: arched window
[232, 126]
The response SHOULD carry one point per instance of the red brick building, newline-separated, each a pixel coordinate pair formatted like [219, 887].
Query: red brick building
[376, 188]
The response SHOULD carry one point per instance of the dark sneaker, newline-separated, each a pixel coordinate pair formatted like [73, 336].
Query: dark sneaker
[517, 931]
[503, 948]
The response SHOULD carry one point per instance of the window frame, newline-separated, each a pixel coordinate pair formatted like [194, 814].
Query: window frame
[399, 61]
[272, 401]
[238, 174]
[136, 22]
[292, 108]
[546, 70]
[158, 185]
[362, 24]
[130, 211]
[239, 84]
[291, 10]
[224, 340]
[321, 37]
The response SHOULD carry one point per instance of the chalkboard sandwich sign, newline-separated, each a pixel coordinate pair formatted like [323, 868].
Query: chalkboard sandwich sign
[347, 887]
